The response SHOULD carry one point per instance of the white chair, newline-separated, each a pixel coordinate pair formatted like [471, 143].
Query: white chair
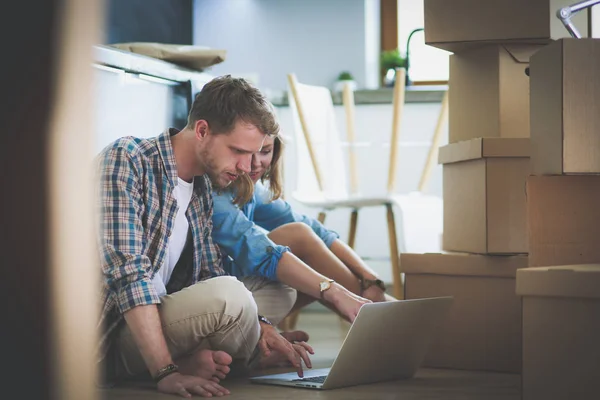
[325, 186]
[421, 216]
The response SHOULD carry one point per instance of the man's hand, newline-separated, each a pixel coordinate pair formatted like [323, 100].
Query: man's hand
[186, 385]
[271, 341]
[295, 336]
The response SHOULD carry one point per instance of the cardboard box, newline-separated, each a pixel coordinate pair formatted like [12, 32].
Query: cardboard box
[563, 220]
[193, 57]
[561, 331]
[454, 25]
[484, 195]
[489, 92]
[483, 328]
[565, 122]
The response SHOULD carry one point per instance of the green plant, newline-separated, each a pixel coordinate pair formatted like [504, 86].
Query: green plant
[345, 76]
[392, 59]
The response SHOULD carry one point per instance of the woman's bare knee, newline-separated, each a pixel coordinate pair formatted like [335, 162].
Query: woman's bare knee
[296, 235]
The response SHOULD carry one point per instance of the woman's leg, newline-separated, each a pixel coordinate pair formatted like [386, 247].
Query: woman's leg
[307, 246]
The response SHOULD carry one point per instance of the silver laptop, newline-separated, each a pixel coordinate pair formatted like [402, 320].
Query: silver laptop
[387, 341]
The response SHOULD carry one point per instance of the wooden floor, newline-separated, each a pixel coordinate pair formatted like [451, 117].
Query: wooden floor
[327, 333]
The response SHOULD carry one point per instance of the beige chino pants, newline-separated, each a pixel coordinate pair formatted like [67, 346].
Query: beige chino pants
[217, 314]
[273, 299]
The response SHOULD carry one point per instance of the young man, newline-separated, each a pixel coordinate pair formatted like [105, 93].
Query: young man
[168, 308]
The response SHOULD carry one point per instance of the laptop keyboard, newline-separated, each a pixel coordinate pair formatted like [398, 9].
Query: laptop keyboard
[313, 379]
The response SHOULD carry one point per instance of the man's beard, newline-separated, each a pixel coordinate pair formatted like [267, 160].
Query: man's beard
[211, 168]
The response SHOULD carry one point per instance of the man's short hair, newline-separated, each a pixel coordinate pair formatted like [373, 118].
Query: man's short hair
[224, 101]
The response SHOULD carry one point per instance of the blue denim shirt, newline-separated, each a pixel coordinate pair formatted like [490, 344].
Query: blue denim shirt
[241, 232]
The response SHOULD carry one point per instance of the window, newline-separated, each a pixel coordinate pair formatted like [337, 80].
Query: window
[426, 63]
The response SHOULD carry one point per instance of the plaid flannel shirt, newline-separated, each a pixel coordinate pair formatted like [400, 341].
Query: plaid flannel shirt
[137, 210]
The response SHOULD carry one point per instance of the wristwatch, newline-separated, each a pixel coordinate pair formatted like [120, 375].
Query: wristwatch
[265, 320]
[324, 286]
[367, 283]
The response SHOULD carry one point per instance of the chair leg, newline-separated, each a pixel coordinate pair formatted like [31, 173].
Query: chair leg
[289, 322]
[352, 233]
[394, 256]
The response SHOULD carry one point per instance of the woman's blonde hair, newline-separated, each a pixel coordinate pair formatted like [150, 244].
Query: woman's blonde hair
[243, 187]
[273, 174]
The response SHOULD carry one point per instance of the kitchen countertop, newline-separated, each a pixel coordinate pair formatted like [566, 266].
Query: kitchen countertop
[110, 57]
[414, 94]
[107, 57]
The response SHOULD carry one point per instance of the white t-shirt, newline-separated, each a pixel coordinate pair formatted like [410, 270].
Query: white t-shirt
[175, 244]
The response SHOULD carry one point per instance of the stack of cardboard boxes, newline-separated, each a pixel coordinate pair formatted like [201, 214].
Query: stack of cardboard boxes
[486, 166]
[561, 297]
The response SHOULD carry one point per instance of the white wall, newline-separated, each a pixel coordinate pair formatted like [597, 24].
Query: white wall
[267, 39]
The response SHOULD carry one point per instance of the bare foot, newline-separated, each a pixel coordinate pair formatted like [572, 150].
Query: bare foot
[374, 293]
[295, 336]
[207, 364]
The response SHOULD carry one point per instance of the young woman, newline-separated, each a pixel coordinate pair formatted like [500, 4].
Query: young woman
[271, 248]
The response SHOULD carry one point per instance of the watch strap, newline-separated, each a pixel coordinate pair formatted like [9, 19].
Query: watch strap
[264, 319]
[165, 371]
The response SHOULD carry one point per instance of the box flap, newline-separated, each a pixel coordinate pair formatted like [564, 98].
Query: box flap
[462, 264]
[522, 52]
[457, 47]
[484, 147]
[475, 20]
[192, 57]
[575, 281]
